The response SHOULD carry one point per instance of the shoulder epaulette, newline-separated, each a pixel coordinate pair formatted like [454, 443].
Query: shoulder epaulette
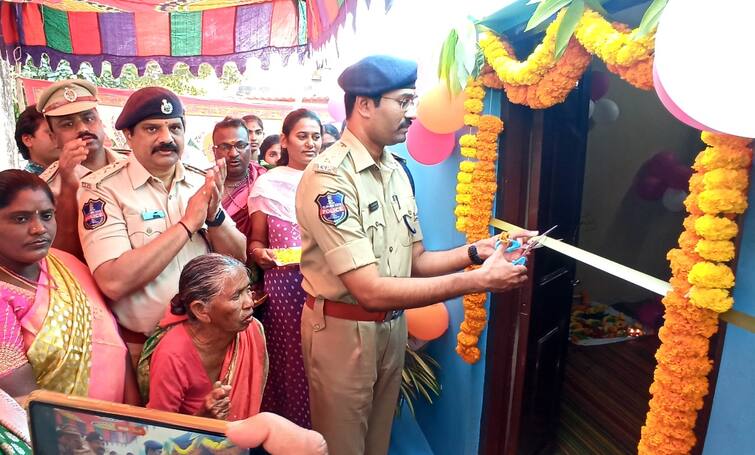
[329, 161]
[50, 172]
[95, 178]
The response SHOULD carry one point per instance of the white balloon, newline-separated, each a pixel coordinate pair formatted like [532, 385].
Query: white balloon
[591, 109]
[605, 111]
[673, 200]
[701, 56]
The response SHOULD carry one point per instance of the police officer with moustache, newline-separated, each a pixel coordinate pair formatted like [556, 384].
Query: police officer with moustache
[142, 219]
[70, 108]
[363, 262]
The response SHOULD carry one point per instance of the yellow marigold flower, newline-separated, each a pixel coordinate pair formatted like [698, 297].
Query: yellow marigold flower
[468, 140]
[715, 250]
[725, 140]
[468, 152]
[464, 188]
[461, 210]
[463, 198]
[718, 300]
[716, 228]
[464, 177]
[471, 119]
[733, 179]
[710, 275]
[696, 183]
[614, 47]
[461, 224]
[722, 201]
[475, 92]
[473, 106]
[467, 166]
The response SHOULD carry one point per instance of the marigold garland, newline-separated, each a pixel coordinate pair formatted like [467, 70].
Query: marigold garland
[475, 193]
[540, 81]
[700, 291]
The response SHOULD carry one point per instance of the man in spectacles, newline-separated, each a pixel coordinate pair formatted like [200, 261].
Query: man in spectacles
[231, 140]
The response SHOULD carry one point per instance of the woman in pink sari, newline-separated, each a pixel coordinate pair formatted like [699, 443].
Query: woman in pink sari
[56, 333]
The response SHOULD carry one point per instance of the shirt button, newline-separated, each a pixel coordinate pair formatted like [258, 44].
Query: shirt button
[149, 230]
[170, 197]
[390, 249]
[316, 326]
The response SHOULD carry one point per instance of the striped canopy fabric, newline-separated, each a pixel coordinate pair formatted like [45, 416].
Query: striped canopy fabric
[169, 31]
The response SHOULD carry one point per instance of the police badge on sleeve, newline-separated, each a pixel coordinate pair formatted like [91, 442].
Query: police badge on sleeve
[94, 213]
[332, 209]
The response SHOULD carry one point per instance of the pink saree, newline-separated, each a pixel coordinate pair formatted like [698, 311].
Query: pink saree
[31, 325]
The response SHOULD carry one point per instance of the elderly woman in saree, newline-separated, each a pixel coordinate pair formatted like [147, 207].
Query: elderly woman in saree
[55, 331]
[209, 357]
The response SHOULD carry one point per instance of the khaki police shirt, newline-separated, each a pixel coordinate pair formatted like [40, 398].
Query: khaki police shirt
[353, 212]
[51, 175]
[123, 207]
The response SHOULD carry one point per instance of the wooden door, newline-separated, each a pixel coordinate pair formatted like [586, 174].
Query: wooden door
[542, 169]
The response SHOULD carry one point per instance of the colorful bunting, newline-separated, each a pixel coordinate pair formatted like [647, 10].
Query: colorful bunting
[168, 31]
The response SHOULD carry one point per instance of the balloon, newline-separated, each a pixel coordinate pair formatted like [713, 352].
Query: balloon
[662, 164]
[439, 111]
[427, 323]
[670, 106]
[605, 111]
[673, 200]
[650, 188]
[699, 58]
[336, 108]
[427, 147]
[599, 82]
[679, 177]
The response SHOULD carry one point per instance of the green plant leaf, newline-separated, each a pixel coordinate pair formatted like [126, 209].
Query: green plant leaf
[650, 18]
[545, 9]
[568, 25]
[597, 6]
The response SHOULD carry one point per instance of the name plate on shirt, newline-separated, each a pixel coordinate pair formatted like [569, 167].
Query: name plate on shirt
[152, 214]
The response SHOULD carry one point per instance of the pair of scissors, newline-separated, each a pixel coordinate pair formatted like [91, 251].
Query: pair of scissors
[534, 242]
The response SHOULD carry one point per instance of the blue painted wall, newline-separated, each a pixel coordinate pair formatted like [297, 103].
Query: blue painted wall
[732, 419]
[451, 425]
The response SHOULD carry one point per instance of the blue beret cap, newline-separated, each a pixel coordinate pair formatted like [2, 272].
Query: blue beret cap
[149, 102]
[378, 74]
[152, 445]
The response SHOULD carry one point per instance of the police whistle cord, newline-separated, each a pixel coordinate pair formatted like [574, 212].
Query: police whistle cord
[651, 283]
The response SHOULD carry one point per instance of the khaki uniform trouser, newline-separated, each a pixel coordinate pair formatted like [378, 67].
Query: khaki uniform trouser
[354, 372]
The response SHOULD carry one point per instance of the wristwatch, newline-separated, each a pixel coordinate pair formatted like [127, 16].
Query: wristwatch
[473, 256]
[217, 221]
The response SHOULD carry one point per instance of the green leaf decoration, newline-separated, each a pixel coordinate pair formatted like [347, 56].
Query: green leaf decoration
[650, 18]
[545, 9]
[568, 25]
[597, 6]
[447, 69]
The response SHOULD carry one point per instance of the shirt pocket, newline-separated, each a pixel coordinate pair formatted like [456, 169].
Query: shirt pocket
[373, 224]
[141, 231]
[405, 209]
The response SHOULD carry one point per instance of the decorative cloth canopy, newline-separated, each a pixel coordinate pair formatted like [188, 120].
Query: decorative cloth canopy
[168, 31]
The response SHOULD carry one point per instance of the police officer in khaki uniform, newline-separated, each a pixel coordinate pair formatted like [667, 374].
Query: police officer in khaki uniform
[71, 110]
[361, 243]
[142, 219]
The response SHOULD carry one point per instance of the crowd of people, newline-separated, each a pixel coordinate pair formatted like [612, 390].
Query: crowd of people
[133, 277]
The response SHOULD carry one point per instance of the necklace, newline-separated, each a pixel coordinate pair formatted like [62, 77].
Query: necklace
[32, 283]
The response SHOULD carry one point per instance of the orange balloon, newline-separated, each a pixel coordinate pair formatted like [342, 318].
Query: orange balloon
[427, 323]
[440, 112]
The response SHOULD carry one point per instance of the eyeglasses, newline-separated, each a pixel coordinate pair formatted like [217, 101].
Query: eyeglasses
[224, 147]
[404, 102]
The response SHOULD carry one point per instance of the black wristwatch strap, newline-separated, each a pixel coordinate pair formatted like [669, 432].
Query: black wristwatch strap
[219, 218]
[473, 256]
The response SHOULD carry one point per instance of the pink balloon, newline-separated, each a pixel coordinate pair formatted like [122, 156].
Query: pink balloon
[675, 110]
[336, 108]
[427, 147]
[599, 82]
